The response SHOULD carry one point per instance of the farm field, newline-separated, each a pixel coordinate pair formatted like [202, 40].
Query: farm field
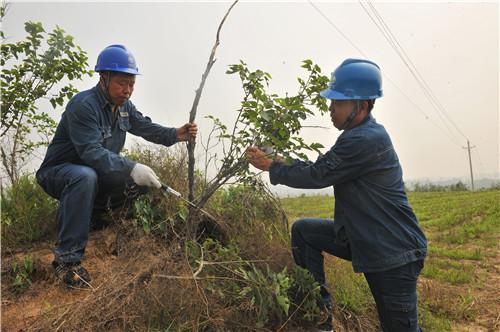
[458, 287]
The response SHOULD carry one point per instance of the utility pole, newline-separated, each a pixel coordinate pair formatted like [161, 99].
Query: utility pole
[470, 164]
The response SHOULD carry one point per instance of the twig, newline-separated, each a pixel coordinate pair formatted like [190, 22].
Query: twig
[199, 289]
[202, 263]
[165, 276]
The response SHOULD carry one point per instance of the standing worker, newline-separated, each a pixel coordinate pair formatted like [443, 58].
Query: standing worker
[83, 168]
[374, 225]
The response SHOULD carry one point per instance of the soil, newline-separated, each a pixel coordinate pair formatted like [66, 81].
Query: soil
[46, 292]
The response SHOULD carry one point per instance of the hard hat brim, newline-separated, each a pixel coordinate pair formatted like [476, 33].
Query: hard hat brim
[119, 70]
[335, 95]
[332, 94]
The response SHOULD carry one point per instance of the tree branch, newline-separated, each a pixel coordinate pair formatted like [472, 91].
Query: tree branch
[192, 116]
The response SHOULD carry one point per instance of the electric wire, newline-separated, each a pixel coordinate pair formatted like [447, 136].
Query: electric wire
[330, 22]
[398, 48]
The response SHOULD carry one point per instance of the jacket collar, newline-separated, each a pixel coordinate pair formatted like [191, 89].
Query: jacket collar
[101, 97]
[369, 118]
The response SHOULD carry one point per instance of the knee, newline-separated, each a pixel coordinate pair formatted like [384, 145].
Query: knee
[298, 228]
[86, 177]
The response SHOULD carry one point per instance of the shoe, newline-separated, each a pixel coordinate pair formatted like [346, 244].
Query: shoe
[326, 325]
[72, 274]
[99, 221]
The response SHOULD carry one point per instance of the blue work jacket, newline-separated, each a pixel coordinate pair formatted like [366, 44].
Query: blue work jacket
[90, 134]
[372, 214]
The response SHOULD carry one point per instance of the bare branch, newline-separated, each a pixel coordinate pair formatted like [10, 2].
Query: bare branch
[192, 116]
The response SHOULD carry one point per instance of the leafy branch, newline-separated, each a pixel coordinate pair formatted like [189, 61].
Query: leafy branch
[266, 119]
[31, 70]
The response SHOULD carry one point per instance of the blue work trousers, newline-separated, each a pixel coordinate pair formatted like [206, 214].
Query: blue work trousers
[394, 290]
[82, 196]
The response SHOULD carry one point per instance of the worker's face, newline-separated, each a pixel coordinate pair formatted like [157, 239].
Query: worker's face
[120, 88]
[340, 111]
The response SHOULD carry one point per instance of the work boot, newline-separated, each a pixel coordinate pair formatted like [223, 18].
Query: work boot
[100, 220]
[326, 324]
[72, 274]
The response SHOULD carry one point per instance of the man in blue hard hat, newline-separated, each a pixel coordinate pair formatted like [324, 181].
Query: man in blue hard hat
[374, 225]
[83, 168]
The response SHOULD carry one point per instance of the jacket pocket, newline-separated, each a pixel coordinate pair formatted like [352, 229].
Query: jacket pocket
[124, 123]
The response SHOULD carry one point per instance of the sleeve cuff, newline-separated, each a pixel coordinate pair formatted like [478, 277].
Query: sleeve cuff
[170, 137]
[274, 172]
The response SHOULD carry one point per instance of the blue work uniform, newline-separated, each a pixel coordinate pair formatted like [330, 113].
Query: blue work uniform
[83, 168]
[374, 226]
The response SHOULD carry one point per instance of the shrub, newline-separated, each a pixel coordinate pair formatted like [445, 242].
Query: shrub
[28, 213]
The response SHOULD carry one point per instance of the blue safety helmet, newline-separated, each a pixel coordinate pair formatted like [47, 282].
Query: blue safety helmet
[355, 79]
[116, 58]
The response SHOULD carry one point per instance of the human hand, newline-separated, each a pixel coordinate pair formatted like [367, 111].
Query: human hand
[144, 176]
[187, 131]
[258, 158]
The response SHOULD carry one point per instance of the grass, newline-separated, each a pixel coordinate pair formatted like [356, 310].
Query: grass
[448, 271]
[349, 289]
[456, 253]
[463, 229]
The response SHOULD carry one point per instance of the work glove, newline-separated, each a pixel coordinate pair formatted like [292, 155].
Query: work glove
[144, 176]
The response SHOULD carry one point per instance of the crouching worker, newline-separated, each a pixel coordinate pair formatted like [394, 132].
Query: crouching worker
[83, 168]
[374, 225]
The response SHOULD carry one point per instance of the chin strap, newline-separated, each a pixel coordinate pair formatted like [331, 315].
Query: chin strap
[107, 80]
[350, 118]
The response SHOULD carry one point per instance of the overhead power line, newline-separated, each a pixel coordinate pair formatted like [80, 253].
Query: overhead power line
[380, 23]
[333, 25]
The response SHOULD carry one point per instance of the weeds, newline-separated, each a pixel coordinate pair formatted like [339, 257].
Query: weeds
[267, 291]
[28, 213]
[22, 272]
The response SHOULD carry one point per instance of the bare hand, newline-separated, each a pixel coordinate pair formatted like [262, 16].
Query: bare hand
[258, 158]
[187, 131]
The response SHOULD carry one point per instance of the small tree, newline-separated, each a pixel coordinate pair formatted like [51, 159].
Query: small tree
[34, 69]
[265, 119]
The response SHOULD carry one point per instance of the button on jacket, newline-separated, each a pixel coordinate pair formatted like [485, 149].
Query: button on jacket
[372, 213]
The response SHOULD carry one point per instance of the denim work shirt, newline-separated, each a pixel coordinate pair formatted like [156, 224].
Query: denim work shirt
[372, 213]
[91, 134]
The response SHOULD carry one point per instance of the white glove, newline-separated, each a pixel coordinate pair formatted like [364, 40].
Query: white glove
[144, 176]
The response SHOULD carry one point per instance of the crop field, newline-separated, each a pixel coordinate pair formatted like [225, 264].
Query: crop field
[459, 285]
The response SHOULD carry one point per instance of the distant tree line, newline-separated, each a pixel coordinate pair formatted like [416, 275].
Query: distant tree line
[459, 186]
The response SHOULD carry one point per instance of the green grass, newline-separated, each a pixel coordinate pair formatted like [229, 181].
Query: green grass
[349, 289]
[431, 321]
[308, 207]
[448, 271]
[456, 253]
[463, 229]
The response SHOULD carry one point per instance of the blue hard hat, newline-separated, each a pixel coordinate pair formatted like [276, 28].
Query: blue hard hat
[118, 59]
[355, 79]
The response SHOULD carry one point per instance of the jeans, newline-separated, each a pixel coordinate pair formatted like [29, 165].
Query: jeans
[394, 290]
[82, 196]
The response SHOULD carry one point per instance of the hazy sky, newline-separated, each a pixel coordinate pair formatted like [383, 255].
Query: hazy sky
[454, 46]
